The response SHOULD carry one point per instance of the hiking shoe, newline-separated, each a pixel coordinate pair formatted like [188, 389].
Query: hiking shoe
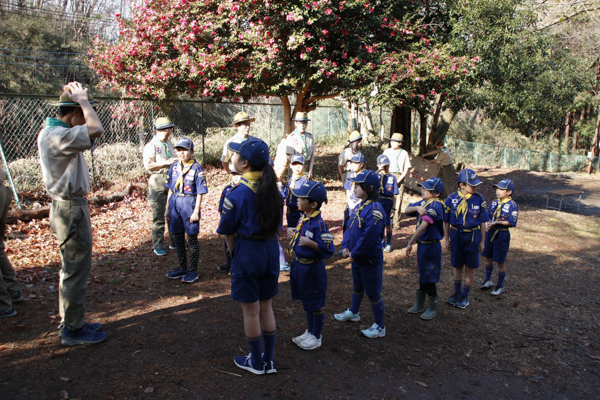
[347, 316]
[92, 327]
[178, 273]
[269, 365]
[462, 302]
[374, 332]
[11, 312]
[224, 267]
[160, 252]
[284, 266]
[172, 247]
[387, 248]
[81, 336]
[487, 285]
[190, 277]
[453, 299]
[245, 362]
[300, 338]
[498, 291]
[311, 342]
[16, 296]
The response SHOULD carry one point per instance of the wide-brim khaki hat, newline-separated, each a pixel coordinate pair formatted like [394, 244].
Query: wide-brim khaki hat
[241, 117]
[354, 136]
[397, 137]
[65, 101]
[163, 123]
[301, 117]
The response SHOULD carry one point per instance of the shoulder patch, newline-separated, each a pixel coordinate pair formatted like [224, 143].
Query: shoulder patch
[227, 204]
[484, 204]
[327, 237]
[431, 211]
[377, 214]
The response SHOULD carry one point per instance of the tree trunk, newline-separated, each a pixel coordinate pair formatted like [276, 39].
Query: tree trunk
[443, 126]
[422, 132]
[574, 140]
[366, 120]
[439, 101]
[594, 146]
[381, 127]
[401, 124]
[568, 126]
[473, 120]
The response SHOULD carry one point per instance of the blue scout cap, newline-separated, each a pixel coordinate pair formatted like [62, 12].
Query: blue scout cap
[433, 184]
[357, 157]
[505, 184]
[299, 158]
[313, 189]
[186, 143]
[383, 160]
[469, 177]
[253, 149]
[367, 176]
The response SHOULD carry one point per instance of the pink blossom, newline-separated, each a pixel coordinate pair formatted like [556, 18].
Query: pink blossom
[328, 11]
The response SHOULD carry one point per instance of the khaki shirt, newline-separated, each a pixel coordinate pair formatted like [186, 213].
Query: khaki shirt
[344, 157]
[306, 147]
[64, 170]
[227, 154]
[399, 161]
[444, 157]
[154, 153]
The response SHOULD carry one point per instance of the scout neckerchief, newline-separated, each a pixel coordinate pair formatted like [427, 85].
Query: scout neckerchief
[303, 137]
[428, 202]
[54, 122]
[186, 166]
[299, 229]
[462, 206]
[293, 181]
[357, 214]
[249, 179]
[499, 208]
[164, 145]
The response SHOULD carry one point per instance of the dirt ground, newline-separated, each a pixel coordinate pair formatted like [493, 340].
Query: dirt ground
[171, 340]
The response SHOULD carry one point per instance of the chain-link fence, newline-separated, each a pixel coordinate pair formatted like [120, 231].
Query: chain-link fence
[487, 154]
[128, 124]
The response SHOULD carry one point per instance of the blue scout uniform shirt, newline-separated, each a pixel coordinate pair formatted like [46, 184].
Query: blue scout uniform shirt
[239, 208]
[315, 229]
[508, 212]
[436, 211]
[224, 193]
[349, 185]
[194, 180]
[476, 211]
[364, 232]
[389, 186]
[291, 201]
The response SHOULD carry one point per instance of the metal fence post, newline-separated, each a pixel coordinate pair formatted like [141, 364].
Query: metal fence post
[504, 157]
[10, 179]
[269, 126]
[528, 166]
[477, 154]
[202, 130]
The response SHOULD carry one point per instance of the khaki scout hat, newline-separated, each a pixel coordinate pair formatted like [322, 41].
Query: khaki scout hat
[354, 136]
[397, 137]
[65, 101]
[241, 117]
[163, 123]
[301, 117]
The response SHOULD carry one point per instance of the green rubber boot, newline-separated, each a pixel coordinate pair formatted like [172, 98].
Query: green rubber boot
[431, 309]
[419, 303]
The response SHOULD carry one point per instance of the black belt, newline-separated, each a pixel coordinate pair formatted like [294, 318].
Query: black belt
[428, 241]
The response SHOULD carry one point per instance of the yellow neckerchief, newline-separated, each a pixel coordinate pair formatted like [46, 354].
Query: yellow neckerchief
[185, 168]
[428, 202]
[299, 229]
[499, 208]
[357, 214]
[462, 206]
[249, 179]
[293, 181]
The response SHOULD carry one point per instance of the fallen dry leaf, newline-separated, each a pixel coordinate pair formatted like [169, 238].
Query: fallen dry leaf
[17, 327]
[64, 394]
[516, 304]
[149, 389]
[62, 378]
[421, 383]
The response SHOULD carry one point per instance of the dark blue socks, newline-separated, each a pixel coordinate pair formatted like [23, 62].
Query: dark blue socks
[269, 338]
[357, 297]
[466, 290]
[378, 310]
[318, 322]
[310, 321]
[501, 276]
[389, 237]
[457, 285]
[255, 350]
[488, 272]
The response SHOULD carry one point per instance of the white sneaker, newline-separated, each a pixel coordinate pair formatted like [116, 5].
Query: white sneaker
[284, 266]
[347, 316]
[498, 291]
[311, 342]
[487, 285]
[300, 338]
[374, 332]
[387, 248]
[172, 247]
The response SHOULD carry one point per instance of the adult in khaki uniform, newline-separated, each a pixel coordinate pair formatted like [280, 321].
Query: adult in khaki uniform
[61, 145]
[353, 147]
[399, 166]
[447, 172]
[242, 122]
[297, 142]
[158, 157]
[9, 285]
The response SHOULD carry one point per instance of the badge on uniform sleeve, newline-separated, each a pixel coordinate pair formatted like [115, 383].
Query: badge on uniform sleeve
[431, 211]
[515, 213]
[327, 237]
[377, 214]
[227, 204]
[484, 204]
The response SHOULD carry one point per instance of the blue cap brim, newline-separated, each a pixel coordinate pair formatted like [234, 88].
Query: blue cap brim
[425, 187]
[476, 182]
[233, 146]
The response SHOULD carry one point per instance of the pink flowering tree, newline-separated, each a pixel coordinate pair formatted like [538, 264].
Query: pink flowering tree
[299, 51]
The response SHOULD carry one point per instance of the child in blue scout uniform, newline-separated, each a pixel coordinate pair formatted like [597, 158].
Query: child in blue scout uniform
[357, 163]
[387, 191]
[311, 243]
[250, 226]
[235, 180]
[187, 183]
[430, 230]
[295, 181]
[504, 213]
[463, 226]
[363, 243]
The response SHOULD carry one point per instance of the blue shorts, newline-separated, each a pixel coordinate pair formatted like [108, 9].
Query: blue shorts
[387, 205]
[309, 284]
[498, 249]
[465, 248]
[293, 216]
[367, 275]
[181, 209]
[254, 269]
[429, 259]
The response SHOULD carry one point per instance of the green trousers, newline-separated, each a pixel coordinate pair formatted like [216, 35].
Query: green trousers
[70, 223]
[157, 196]
[8, 280]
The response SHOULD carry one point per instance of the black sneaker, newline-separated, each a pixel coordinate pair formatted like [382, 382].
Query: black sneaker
[453, 299]
[94, 326]
[224, 267]
[11, 312]
[177, 274]
[463, 302]
[16, 296]
[81, 336]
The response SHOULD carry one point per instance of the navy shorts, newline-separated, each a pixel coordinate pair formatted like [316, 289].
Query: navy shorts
[498, 249]
[429, 259]
[293, 216]
[181, 209]
[465, 248]
[387, 205]
[368, 275]
[254, 269]
[309, 284]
